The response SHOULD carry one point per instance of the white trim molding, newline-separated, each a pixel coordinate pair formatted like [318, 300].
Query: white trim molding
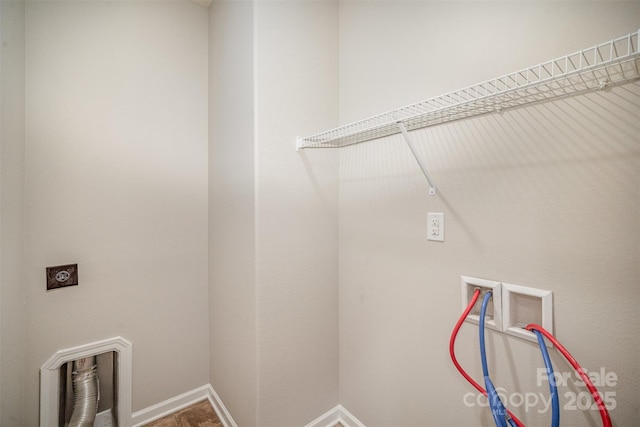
[334, 416]
[221, 410]
[174, 404]
[50, 378]
[329, 419]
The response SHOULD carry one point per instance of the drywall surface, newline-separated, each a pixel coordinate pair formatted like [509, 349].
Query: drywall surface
[273, 211]
[545, 196]
[116, 181]
[232, 293]
[12, 294]
[296, 73]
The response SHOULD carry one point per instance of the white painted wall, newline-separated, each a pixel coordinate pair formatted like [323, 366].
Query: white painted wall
[545, 196]
[273, 282]
[296, 72]
[232, 210]
[12, 313]
[116, 181]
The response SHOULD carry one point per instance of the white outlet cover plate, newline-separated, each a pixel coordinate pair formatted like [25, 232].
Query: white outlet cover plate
[546, 299]
[435, 226]
[467, 285]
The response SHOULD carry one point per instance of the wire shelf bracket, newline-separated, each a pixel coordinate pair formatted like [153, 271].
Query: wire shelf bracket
[414, 151]
[595, 68]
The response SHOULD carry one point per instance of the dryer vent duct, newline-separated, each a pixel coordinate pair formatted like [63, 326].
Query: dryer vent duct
[86, 392]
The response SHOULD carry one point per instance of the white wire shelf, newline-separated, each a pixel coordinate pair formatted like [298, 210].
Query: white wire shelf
[610, 63]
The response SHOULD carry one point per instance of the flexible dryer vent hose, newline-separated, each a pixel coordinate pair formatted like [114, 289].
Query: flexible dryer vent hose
[85, 392]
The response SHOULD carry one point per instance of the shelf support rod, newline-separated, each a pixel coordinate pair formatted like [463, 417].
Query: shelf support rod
[423, 166]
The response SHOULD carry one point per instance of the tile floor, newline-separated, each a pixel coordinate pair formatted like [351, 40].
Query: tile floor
[199, 414]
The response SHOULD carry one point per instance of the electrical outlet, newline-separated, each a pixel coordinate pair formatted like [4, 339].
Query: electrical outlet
[435, 226]
[61, 276]
[522, 306]
[493, 317]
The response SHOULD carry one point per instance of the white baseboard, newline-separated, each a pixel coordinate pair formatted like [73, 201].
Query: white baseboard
[347, 419]
[221, 410]
[334, 416]
[329, 419]
[174, 404]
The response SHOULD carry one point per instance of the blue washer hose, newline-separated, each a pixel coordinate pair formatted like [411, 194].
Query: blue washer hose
[497, 408]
